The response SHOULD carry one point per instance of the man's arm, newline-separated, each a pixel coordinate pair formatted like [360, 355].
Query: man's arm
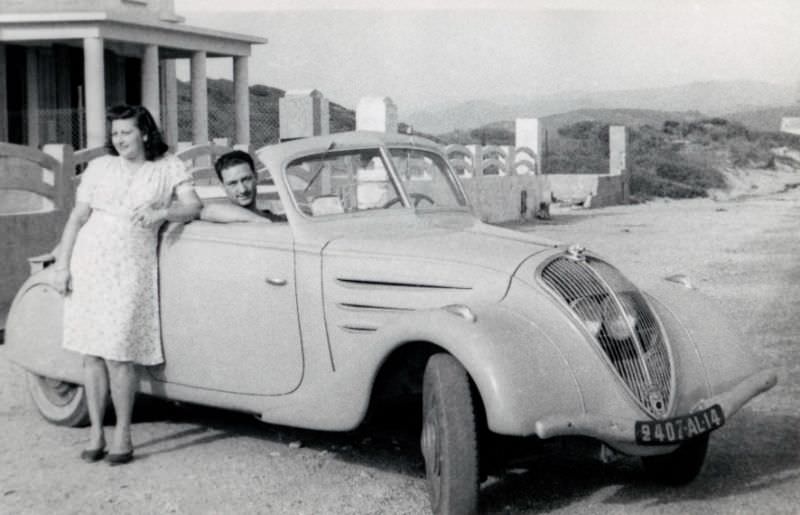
[227, 212]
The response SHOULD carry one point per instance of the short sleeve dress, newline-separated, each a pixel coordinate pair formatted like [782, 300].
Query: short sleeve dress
[112, 308]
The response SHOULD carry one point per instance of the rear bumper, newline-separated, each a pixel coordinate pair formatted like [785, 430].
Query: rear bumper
[619, 432]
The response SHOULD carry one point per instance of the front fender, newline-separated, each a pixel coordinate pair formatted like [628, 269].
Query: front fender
[518, 370]
[706, 341]
[34, 329]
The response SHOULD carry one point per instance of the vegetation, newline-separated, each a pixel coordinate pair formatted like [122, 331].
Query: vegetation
[679, 157]
[669, 154]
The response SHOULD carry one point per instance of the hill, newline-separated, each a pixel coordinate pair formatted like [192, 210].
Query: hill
[264, 119]
[713, 98]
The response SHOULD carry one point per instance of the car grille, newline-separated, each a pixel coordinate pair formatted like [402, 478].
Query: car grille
[622, 324]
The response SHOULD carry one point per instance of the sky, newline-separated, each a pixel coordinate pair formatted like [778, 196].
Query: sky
[424, 54]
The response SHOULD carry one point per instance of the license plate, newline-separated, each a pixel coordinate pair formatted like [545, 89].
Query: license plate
[679, 429]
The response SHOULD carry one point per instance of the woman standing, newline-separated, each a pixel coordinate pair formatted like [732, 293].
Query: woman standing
[106, 267]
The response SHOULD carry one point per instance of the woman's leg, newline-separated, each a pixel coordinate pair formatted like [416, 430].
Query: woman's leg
[123, 391]
[96, 385]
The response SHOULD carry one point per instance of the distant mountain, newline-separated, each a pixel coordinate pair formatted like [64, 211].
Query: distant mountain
[713, 98]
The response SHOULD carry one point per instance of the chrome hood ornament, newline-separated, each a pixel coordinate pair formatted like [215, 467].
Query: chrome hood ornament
[576, 251]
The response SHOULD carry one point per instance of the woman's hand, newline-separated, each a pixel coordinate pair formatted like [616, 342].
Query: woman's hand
[148, 216]
[61, 280]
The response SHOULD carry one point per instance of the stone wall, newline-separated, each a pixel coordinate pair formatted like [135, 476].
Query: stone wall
[497, 198]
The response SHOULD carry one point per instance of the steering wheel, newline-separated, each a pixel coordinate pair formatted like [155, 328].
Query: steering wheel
[415, 197]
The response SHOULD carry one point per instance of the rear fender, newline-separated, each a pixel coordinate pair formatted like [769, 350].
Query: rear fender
[34, 330]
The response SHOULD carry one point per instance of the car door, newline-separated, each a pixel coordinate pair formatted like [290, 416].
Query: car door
[228, 308]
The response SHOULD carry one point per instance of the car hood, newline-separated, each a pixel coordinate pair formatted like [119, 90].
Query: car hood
[428, 265]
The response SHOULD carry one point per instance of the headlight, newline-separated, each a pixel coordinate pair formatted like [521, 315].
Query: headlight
[590, 312]
[604, 312]
[619, 324]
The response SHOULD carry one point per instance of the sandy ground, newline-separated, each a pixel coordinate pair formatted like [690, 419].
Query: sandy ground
[743, 252]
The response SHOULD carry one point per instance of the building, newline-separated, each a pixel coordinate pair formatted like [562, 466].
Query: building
[62, 62]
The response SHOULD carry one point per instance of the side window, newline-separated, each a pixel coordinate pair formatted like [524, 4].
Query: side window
[267, 198]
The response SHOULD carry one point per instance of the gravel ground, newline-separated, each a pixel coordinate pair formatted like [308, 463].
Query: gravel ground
[193, 460]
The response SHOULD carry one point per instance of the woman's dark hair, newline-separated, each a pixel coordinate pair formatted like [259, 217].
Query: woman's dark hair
[233, 158]
[154, 145]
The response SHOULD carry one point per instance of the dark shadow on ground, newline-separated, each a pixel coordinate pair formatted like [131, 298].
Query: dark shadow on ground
[754, 451]
[388, 441]
[751, 453]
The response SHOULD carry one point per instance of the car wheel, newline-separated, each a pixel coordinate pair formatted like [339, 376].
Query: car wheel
[59, 402]
[680, 466]
[449, 437]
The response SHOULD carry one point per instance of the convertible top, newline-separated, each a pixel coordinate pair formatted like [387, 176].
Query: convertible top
[344, 140]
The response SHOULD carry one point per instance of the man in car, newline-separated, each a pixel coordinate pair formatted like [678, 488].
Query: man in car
[236, 172]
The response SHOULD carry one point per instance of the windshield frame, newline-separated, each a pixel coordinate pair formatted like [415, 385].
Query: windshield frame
[385, 154]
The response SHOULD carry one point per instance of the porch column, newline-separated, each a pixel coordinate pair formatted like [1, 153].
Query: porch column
[199, 98]
[169, 84]
[150, 81]
[32, 96]
[3, 95]
[95, 91]
[242, 95]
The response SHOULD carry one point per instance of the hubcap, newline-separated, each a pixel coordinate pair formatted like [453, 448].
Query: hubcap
[59, 393]
[431, 451]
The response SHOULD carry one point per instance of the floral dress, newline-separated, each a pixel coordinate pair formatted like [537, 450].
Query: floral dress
[112, 309]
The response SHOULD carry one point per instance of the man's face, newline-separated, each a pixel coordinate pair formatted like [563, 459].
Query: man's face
[239, 182]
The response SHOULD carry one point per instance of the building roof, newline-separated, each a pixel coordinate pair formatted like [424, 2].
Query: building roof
[175, 40]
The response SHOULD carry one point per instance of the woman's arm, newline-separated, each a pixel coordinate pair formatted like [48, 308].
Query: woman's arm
[63, 251]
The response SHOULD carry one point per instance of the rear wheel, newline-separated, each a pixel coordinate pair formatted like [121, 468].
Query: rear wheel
[449, 437]
[680, 466]
[59, 402]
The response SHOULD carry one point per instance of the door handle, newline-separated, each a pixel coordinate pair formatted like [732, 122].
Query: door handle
[274, 281]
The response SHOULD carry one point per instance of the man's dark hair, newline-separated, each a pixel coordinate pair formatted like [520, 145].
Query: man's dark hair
[154, 146]
[233, 158]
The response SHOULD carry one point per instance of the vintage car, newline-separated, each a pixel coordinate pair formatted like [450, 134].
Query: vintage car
[383, 280]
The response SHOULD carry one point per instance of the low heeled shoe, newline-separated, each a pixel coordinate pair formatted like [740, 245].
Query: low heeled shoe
[93, 455]
[119, 458]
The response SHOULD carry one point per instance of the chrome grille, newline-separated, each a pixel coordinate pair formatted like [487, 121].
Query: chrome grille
[616, 314]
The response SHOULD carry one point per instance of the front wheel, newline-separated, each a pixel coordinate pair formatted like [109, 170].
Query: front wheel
[59, 402]
[681, 466]
[449, 437]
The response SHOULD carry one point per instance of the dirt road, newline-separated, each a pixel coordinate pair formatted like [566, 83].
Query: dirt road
[194, 460]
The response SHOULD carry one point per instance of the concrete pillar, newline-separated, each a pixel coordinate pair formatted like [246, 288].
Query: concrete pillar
[617, 151]
[95, 91]
[150, 89]
[529, 133]
[199, 98]
[169, 85]
[241, 90]
[376, 114]
[32, 96]
[3, 95]
[303, 113]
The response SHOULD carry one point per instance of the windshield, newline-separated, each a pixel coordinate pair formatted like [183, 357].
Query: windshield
[426, 178]
[350, 181]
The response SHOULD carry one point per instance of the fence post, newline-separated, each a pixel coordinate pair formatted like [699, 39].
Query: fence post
[64, 195]
[303, 113]
[376, 114]
[529, 134]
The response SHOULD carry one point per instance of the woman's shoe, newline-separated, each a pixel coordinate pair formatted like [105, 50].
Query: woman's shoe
[93, 455]
[119, 458]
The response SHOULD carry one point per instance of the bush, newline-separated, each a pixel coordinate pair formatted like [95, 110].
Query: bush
[648, 186]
